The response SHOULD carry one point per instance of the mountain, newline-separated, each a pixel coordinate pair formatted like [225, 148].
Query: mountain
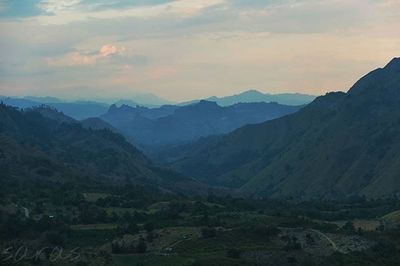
[81, 109]
[144, 99]
[138, 110]
[93, 123]
[97, 124]
[46, 99]
[52, 113]
[172, 125]
[252, 96]
[133, 104]
[340, 145]
[44, 145]
[77, 110]
[126, 102]
[18, 102]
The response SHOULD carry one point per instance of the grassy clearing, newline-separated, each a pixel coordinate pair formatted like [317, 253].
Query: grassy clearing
[364, 224]
[393, 217]
[93, 197]
[122, 211]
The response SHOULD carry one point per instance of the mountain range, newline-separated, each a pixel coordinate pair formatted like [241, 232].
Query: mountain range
[254, 96]
[340, 145]
[172, 125]
[77, 110]
[94, 108]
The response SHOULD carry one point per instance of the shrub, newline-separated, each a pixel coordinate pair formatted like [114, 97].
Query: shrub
[55, 238]
[132, 228]
[208, 232]
[233, 253]
[141, 247]
[348, 227]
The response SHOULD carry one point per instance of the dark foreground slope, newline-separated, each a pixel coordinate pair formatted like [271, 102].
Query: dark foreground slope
[342, 144]
[44, 145]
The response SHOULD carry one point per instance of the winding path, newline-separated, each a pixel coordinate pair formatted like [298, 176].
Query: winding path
[334, 246]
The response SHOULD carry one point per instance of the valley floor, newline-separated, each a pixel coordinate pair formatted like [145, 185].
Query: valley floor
[118, 227]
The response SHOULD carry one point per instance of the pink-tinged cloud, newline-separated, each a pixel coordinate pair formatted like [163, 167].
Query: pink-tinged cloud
[78, 59]
[109, 49]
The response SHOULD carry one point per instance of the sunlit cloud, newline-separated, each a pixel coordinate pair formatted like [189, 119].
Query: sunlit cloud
[78, 58]
[110, 49]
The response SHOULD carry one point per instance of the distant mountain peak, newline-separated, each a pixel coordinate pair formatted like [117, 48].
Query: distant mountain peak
[207, 103]
[252, 92]
[201, 105]
[113, 108]
[125, 109]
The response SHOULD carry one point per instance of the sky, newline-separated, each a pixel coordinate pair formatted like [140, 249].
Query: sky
[185, 49]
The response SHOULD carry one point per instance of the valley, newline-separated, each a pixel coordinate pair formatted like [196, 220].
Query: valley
[199, 133]
[287, 188]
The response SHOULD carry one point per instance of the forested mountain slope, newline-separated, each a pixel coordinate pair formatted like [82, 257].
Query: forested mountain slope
[45, 145]
[341, 144]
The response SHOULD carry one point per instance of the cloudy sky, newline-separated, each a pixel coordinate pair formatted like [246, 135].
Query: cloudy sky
[189, 49]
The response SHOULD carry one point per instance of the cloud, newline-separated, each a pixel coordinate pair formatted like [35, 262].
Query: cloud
[209, 46]
[140, 60]
[110, 49]
[20, 9]
[107, 4]
[17, 9]
[79, 58]
[259, 3]
[171, 9]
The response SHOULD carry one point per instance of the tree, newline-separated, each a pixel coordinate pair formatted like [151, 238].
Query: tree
[127, 216]
[292, 244]
[132, 229]
[381, 228]
[149, 227]
[208, 232]
[348, 226]
[309, 239]
[233, 253]
[150, 237]
[55, 238]
[266, 231]
[141, 247]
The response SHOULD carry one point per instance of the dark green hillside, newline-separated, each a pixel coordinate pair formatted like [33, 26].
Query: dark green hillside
[339, 145]
[35, 147]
